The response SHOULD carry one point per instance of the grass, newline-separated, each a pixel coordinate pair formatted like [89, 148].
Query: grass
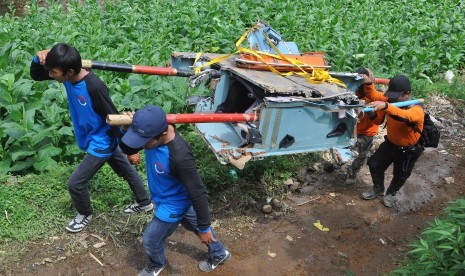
[267, 175]
[454, 90]
[38, 205]
[35, 206]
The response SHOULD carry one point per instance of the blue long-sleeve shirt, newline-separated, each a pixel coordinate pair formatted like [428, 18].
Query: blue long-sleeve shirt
[174, 182]
[89, 103]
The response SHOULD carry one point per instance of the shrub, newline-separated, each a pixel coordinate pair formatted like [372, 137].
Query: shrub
[440, 249]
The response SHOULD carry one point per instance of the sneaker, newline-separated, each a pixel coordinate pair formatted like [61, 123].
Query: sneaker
[371, 194]
[210, 264]
[350, 180]
[151, 271]
[388, 200]
[136, 207]
[78, 223]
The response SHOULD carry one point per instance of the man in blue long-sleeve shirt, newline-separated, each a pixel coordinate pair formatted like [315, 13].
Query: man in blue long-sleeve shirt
[89, 103]
[175, 185]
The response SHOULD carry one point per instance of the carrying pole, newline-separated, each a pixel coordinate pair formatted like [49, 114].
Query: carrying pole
[138, 69]
[151, 70]
[116, 120]
[398, 104]
[382, 81]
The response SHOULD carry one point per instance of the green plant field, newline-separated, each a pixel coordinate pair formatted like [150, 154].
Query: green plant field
[420, 38]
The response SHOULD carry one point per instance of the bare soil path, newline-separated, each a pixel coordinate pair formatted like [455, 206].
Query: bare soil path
[364, 237]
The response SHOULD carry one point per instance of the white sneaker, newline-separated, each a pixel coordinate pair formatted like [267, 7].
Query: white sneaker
[136, 207]
[78, 223]
[210, 264]
[151, 271]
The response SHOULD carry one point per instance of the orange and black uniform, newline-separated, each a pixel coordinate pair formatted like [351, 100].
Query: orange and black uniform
[367, 128]
[401, 146]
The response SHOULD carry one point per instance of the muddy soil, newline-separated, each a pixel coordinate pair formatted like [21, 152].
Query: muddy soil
[363, 237]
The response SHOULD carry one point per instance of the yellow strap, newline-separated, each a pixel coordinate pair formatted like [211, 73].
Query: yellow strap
[213, 61]
[317, 76]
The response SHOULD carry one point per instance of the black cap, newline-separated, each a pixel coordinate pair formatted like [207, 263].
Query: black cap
[363, 71]
[398, 85]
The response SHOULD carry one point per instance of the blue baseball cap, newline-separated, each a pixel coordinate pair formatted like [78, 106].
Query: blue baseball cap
[148, 122]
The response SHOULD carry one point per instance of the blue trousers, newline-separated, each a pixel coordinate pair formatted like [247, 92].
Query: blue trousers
[157, 231]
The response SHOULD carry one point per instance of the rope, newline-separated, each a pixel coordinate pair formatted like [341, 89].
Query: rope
[317, 75]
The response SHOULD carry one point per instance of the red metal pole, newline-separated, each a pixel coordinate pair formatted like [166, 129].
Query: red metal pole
[149, 70]
[138, 69]
[209, 118]
[115, 119]
[382, 81]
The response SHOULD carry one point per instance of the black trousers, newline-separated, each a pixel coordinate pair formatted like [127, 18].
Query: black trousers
[78, 182]
[403, 160]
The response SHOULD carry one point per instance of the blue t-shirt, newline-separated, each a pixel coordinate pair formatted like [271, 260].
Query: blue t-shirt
[89, 103]
[174, 182]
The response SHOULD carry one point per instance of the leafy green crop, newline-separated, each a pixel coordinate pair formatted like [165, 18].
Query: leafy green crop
[418, 38]
[440, 249]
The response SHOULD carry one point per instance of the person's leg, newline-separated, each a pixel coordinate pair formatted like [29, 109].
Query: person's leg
[79, 180]
[215, 249]
[217, 253]
[378, 164]
[78, 189]
[120, 164]
[403, 168]
[154, 238]
[362, 146]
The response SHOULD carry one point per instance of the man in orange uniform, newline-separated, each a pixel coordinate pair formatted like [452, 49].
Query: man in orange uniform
[401, 146]
[367, 128]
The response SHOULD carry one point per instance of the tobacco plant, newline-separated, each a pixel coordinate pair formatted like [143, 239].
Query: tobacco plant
[421, 38]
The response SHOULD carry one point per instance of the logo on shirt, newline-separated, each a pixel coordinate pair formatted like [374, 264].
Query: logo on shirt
[82, 100]
[159, 168]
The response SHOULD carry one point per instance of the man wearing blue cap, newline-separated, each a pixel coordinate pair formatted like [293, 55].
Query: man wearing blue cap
[175, 186]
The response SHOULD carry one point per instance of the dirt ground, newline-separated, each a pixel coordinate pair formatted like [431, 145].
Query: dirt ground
[364, 237]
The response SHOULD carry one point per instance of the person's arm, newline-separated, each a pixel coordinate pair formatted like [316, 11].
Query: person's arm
[410, 115]
[372, 94]
[37, 70]
[414, 115]
[376, 117]
[128, 150]
[184, 168]
[132, 154]
[101, 101]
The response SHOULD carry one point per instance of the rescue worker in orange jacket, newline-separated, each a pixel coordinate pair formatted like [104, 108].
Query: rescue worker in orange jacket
[367, 128]
[401, 146]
